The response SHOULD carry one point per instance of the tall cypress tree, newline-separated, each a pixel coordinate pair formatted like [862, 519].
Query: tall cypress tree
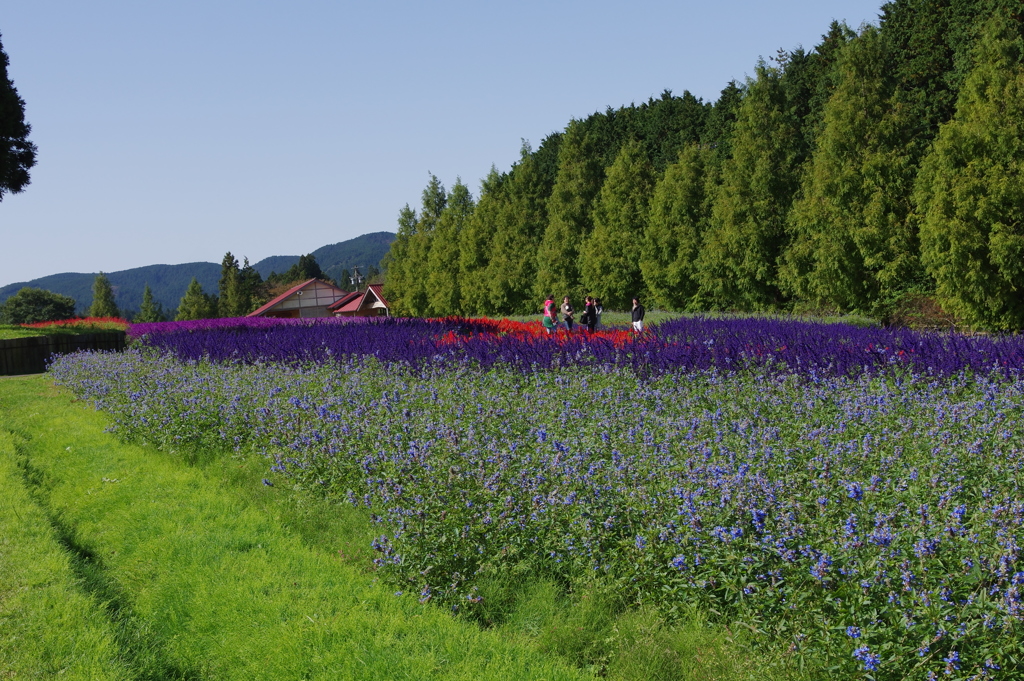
[512, 271]
[852, 244]
[396, 262]
[417, 298]
[227, 287]
[611, 254]
[475, 250]
[970, 190]
[443, 282]
[580, 175]
[17, 153]
[679, 216]
[103, 304]
[738, 264]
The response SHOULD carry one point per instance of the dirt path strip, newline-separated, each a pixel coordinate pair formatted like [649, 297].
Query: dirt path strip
[195, 583]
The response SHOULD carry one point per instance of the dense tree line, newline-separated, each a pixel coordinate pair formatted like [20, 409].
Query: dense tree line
[882, 164]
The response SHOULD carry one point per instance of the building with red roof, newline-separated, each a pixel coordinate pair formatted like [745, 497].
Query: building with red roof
[311, 298]
[369, 303]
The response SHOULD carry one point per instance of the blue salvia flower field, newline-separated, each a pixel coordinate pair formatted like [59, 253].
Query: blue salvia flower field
[850, 494]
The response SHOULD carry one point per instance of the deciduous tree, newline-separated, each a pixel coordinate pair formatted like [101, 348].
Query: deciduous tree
[31, 305]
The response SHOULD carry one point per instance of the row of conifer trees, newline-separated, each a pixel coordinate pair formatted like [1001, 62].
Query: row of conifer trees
[882, 164]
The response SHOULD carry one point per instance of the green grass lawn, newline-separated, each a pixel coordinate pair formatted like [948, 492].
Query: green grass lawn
[120, 561]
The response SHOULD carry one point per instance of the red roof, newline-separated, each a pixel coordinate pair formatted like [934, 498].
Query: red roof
[378, 289]
[353, 302]
[275, 301]
[344, 300]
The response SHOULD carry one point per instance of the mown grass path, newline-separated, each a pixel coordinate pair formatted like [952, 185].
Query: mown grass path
[121, 561]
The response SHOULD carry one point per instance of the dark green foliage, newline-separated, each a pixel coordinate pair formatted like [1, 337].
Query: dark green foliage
[151, 311]
[721, 119]
[304, 269]
[970, 191]
[196, 304]
[679, 216]
[443, 286]
[30, 305]
[103, 304]
[17, 153]
[611, 255]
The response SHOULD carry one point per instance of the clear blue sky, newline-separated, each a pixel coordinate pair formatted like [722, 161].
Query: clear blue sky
[172, 132]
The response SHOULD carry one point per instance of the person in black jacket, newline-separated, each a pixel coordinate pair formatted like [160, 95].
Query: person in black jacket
[638, 316]
[590, 314]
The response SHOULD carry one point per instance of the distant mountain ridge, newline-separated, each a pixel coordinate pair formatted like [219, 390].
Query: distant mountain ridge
[169, 282]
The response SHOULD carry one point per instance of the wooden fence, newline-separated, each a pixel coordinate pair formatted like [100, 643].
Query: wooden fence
[30, 355]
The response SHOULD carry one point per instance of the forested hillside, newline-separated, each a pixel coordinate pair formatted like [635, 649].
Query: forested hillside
[168, 283]
[879, 167]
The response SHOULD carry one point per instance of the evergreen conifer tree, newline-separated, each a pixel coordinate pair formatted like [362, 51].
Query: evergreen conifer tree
[443, 286]
[417, 298]
[17, 153]
[196, 304]
[475, 250]
[852, 245]
[579, 179]
[970, 190]
[228, 286]
[512, 271]
[679, 216]
[610, 263]
[103, 304]
[396, 262]
[738, 264]
[151, 310]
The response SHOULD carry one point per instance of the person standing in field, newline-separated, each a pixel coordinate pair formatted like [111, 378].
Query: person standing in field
[638, 316]
[548, 320]
[567, 313]
[590, 314]
[598, 309]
